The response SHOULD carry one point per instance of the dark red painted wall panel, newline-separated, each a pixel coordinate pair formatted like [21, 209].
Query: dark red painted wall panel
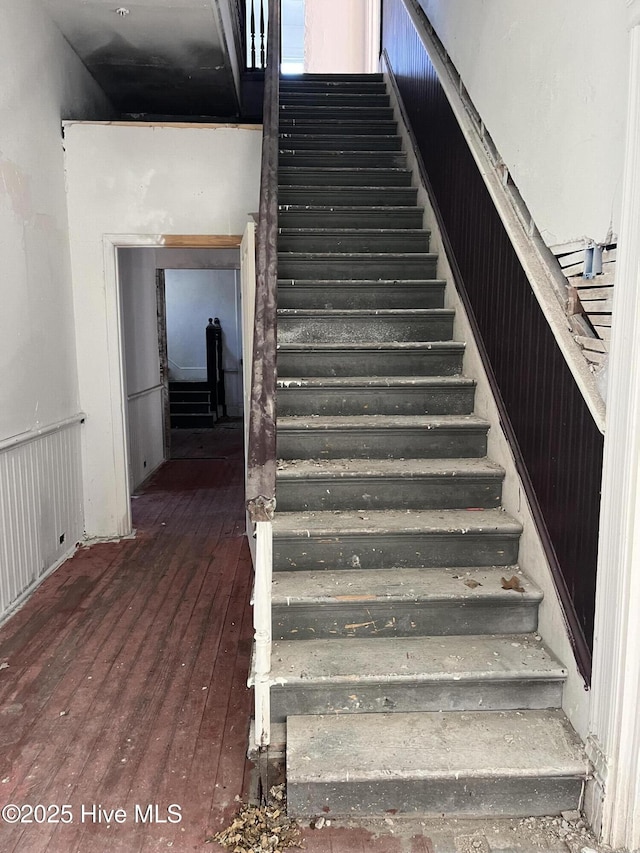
[559, 443]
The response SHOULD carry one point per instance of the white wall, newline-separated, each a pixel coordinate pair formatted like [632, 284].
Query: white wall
[549, 80]
[42, 82]
[135, 184]
[138, 305]
[335, 36]
[192, 296]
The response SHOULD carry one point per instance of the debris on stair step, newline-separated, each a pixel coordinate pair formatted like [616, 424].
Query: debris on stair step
[260, 828]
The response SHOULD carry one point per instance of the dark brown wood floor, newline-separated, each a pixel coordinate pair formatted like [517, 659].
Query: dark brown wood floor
[125, 678]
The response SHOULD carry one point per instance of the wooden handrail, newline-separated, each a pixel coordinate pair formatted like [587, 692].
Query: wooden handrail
[261, 463]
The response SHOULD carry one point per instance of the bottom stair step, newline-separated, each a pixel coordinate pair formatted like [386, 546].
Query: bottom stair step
[482, 763]
[401, 674]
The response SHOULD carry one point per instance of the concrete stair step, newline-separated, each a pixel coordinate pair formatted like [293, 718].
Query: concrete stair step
[348, 196]
[341, 159]
[353, 240]
[336, 113]
[392, 325]
[435, 358]
[322, 144]
[380, 539]
[332, 79]
[354, 266]
[337, 126]
[404, 674]
[343, 484]
[331, 294]
[380, 395]
[382, 437]
[289, 84]
[179, 407]
[400, 602]
[189, 396]
[309, 216]
[309, 176]
[487, 763]
[303, 97]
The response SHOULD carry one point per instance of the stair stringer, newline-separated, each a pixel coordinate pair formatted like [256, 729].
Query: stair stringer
[532, 557]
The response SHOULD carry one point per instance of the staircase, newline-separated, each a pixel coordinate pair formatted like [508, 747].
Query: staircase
[409, 679]
[189, 405]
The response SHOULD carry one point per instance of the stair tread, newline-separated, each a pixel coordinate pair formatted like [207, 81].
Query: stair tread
[347, 422]
[348, 232]
[353, 586]
[319, 208]
[331, 346]
[394, 521]
[449, 744]
[365, 312]
[407, 659]
[345, 469]
[375, 382]
[366, 282]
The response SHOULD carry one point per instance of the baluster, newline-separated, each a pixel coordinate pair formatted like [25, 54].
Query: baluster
[252, 24]
[262, 34]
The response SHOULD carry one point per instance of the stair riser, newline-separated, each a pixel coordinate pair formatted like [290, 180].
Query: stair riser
[476, 797]
[348, 267]
[380, 401]
[457, 492]
[401, 619]
[306, 330]
[384, 551]
[348, 197]
[344, 86]
[330, 79]
[309, 176]
[319, 143]
[333, 99]
[337, 128]
[192, 421]
[336, 218]
[381, 444]
[189, 397]
[372, 362]
[330, 113]
[369, 295]
[357, 698]
[377, 242]
[342, 159]
[186, 408]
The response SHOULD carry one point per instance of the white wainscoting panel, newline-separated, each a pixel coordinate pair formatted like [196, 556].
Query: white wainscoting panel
[146, 434]
[41, 508]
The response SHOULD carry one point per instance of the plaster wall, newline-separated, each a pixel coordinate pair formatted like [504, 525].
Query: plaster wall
[42, 82]
[130, 185]
[549, 81]
[335, 36]
[138, 299]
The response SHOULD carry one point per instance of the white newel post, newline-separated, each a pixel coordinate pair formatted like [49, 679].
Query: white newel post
[614, 741]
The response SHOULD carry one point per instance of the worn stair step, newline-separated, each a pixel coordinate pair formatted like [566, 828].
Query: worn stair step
[356, 324]
[308, 216]
[295, 112]
[400, 602]
[403, 674]
[353, 240]
[287, 84]
[436, 358]
[341, 159]
[189, 396]
[332, 98]
[347, 196]
[382, 437]
[344, 484]
[337, 127]
[332, 79]
[482, 763]
[192, 421]
[309, 176]
[325, 293]
[178, 407]
[379, 395]
[357, 265]
[322, 143]
[379, 539]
